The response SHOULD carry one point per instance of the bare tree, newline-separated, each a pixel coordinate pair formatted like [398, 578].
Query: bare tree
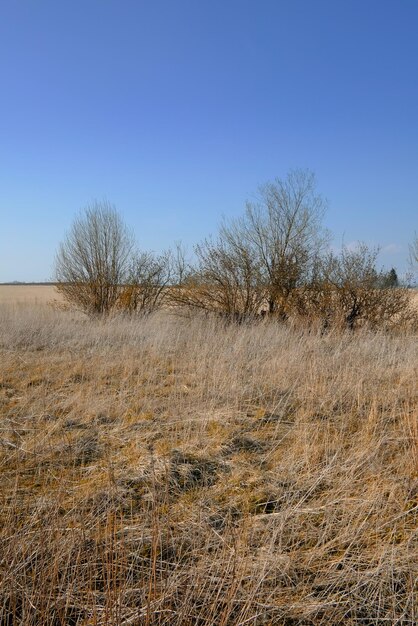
[283, 230]
[92, 262]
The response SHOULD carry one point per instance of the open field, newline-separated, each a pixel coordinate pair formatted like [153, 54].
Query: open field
[174, 471]
[28, 294]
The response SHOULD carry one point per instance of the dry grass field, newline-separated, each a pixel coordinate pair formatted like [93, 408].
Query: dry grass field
[178, 471]
[28, 294]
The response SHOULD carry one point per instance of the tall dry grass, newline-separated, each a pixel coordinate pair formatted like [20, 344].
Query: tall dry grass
[175, 471]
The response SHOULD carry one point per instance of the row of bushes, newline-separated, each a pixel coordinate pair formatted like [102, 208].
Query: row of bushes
[273, 261]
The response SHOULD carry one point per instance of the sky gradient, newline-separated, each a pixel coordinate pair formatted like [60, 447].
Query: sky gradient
[176, 111]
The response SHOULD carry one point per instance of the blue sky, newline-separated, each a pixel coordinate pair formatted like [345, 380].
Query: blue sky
[177, 110]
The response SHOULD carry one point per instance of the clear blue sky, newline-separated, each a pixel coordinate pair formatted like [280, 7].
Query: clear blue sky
[177, 110]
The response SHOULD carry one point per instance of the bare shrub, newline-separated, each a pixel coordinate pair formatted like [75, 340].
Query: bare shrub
[92, 262]
[225, 279]
[349, 291]
[283, 231]
[148, 278]
[258, 260]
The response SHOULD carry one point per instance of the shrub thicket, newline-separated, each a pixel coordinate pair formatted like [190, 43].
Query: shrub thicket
[273, 261]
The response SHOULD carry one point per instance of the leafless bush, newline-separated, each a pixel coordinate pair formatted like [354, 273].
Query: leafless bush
[283, 231]
[225, 279]
[257, 261]
[349, 291]
[92, 261]
[148, 279]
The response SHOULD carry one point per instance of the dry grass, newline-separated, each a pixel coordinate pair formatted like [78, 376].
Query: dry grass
[173, 471]
[28, 294]
[414, 298]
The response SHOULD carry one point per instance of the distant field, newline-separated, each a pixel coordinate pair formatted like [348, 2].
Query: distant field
[16, 294]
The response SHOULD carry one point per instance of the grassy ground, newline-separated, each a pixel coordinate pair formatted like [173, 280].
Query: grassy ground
[173, 471]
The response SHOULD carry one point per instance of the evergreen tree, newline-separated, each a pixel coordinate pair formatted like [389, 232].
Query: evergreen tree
[390, 279]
